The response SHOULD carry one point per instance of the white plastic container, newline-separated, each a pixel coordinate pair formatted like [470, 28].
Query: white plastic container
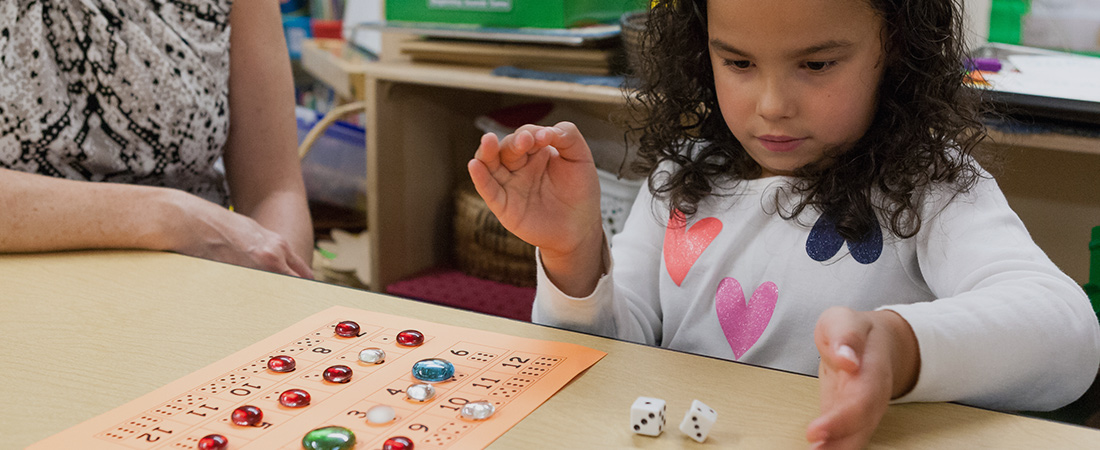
[1063, 25]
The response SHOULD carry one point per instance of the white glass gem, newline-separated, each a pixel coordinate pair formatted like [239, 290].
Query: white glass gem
[372, 355]
[479, 410]
[381, 414]
[420, 392]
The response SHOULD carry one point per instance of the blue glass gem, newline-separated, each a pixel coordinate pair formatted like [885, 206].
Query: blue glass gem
[433, 370]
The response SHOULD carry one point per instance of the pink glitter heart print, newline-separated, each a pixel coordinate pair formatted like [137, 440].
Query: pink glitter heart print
[683, 245]
[742, 322]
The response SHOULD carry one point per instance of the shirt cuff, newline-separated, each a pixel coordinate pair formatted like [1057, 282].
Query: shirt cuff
[556, 308]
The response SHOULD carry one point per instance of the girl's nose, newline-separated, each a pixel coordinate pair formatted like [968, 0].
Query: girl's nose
[775, 101]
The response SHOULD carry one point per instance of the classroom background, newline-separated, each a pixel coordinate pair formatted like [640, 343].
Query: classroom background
[462, 68]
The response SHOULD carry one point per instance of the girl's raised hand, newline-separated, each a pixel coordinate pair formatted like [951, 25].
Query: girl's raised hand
[542, 185]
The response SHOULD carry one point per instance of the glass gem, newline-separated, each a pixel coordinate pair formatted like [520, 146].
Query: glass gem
[479, 410]
[281, 364]
[410, 338]
[347, 328]
[398, 443]
[247, 416]
[213, 442]
[433, 370]
[373, 355]
[294, 398]
[329, 438]
[420, 392]
[381, 414]
[338, 374]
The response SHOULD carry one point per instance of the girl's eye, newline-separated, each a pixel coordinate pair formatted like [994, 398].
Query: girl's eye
[817, 66]
[738, 63]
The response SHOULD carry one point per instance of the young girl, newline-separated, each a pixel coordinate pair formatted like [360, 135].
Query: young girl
[812, 207]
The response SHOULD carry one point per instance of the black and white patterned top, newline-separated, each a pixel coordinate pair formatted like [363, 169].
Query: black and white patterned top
[127, 91]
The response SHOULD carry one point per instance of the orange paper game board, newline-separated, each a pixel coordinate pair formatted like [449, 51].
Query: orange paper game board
[515, 374]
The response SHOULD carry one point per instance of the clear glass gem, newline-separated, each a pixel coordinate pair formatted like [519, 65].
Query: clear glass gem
[433, 370]
[347, 328]
[247, 416]
[281, 364]
[294, 398]
[337, 374]
[479, 410]
[381, 414]
[329, 438]
[420, 392]
[373, 355]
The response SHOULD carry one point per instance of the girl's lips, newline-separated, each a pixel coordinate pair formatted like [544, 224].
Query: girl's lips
[780, 143]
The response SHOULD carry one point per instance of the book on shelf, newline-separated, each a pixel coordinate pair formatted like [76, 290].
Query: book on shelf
[553, 58]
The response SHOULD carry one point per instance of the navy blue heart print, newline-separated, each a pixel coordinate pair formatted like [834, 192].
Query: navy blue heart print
[824, 242]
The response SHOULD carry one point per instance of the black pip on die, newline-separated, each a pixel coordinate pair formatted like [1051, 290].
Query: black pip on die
[698, 421]
[647, 416]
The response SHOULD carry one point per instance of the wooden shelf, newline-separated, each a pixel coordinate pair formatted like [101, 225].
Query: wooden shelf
[1047, 141]
[327, 61]
[481, 79]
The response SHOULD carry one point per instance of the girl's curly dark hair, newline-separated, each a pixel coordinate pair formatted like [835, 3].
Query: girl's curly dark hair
[924, 111]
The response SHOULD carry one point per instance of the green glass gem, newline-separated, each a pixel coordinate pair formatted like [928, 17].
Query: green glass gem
[329, 438]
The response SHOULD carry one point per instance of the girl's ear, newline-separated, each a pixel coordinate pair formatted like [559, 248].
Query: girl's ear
[890, 54]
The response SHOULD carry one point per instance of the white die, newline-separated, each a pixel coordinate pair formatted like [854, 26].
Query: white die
[647, 416]
[698, 420]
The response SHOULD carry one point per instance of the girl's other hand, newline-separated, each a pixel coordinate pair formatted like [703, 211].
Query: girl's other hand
[202, 229]
[867, 358]
[542, 185]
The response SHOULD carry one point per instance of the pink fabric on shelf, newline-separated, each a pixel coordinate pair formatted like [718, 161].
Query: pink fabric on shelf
[456, 289]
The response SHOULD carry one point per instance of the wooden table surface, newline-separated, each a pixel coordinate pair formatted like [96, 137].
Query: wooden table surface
[84, 332]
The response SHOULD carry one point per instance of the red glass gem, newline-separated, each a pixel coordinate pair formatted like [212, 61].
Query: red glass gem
[410, 338]
[347, 328]
[398, 443]
[247, 416]
[281, 364]
[294, 398]
[338, 374]
[213, 442]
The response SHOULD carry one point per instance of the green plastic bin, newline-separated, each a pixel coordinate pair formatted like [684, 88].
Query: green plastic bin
[1005, 19]
[1092, 288]
[511, 13]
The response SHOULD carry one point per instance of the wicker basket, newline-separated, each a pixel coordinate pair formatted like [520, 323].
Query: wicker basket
[484, 249]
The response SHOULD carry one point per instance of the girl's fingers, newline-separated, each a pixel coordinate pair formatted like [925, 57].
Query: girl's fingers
[844, 426]
[841, 336]
[487, 186]
[488, 151]
[567, 139]
[515, 147]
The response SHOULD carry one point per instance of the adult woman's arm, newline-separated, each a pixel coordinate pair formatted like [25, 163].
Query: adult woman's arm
[261, 160]
[41, 213]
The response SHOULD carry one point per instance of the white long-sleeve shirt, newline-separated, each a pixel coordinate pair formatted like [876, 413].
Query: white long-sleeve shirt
[997, 323]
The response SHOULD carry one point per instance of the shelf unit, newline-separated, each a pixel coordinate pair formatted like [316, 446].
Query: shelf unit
[420, 134]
